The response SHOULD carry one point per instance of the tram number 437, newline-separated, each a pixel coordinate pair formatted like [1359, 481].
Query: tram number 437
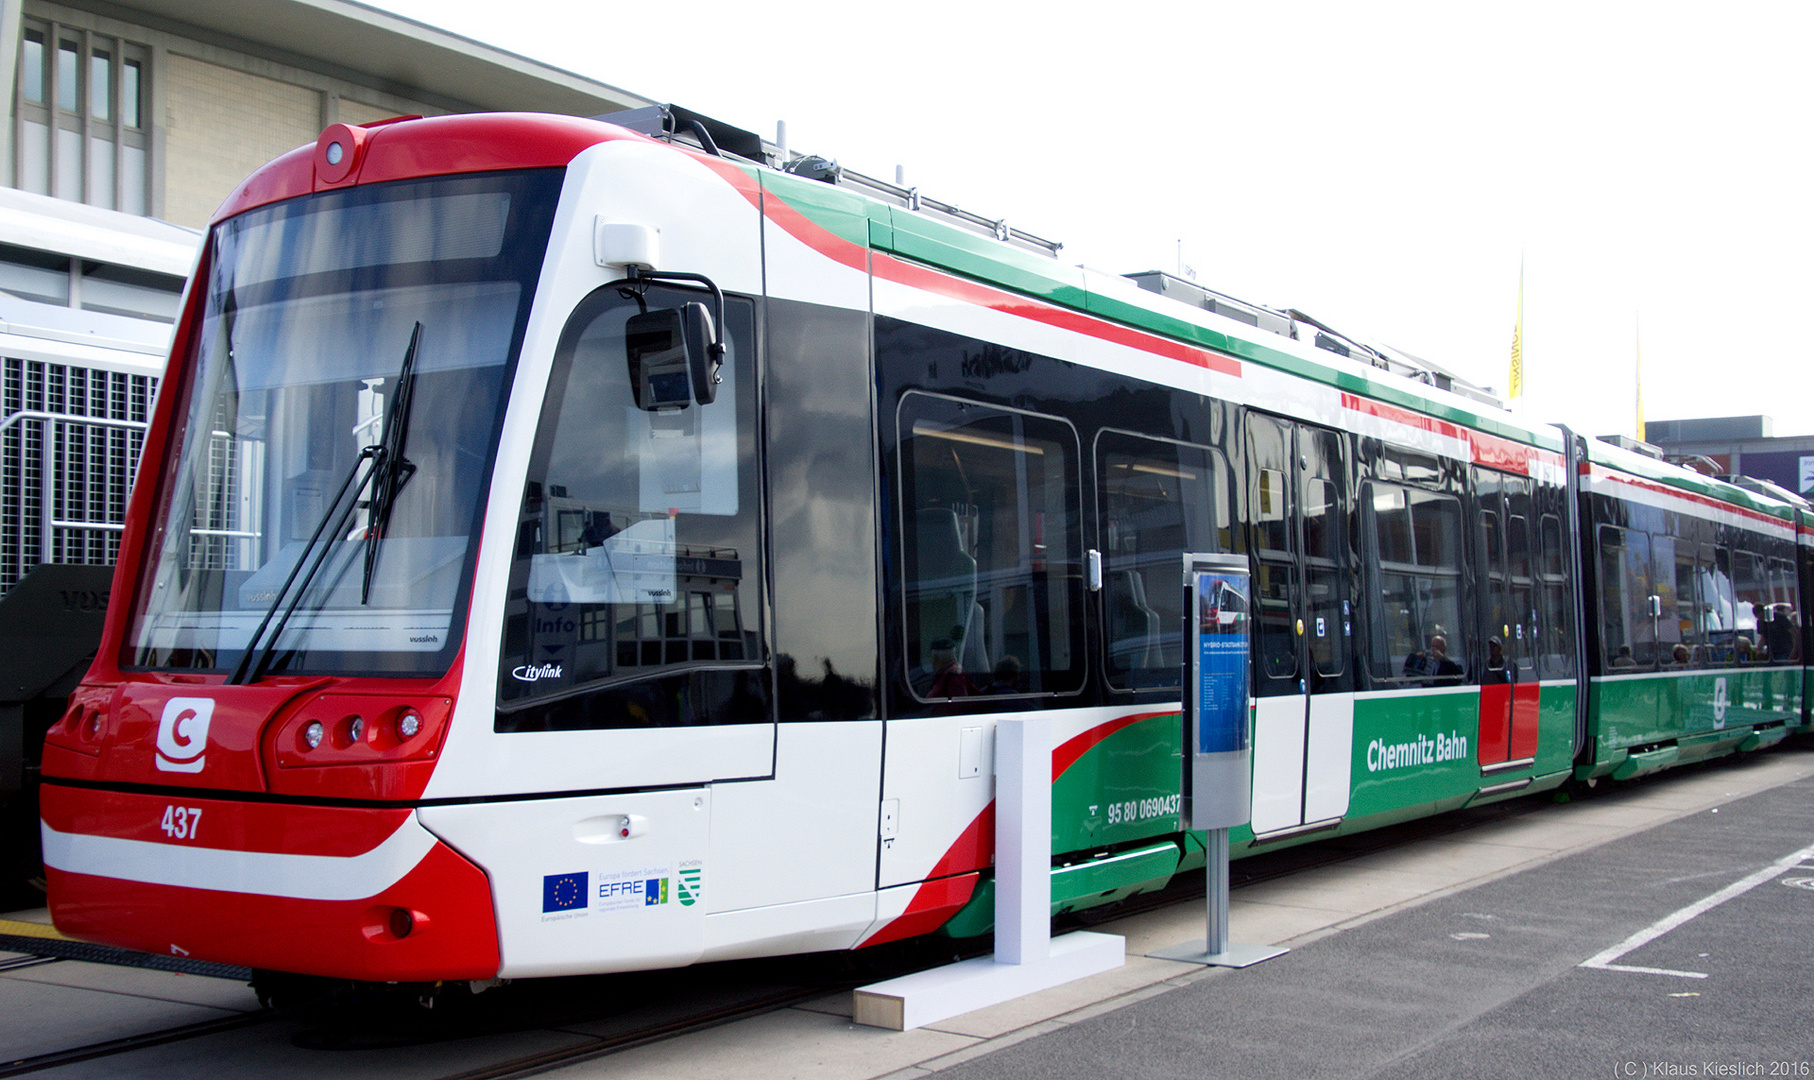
[182, 822]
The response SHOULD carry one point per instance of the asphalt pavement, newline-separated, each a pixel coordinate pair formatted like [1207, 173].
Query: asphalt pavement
[1701, 930]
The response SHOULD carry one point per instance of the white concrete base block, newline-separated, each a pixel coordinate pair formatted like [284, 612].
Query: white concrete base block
[926, 997]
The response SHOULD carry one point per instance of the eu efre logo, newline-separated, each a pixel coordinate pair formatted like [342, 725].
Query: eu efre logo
[564, 892]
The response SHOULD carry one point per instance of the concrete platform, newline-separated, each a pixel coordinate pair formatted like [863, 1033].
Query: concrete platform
[1678, 951]
[819, 1041]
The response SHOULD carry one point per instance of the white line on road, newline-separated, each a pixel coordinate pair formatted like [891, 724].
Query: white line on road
[1604, 960]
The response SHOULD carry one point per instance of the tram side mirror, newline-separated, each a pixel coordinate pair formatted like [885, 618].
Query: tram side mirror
[702, 360]
[655, 348]
[670, 356]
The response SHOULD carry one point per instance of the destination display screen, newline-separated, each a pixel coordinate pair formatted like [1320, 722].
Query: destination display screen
[1222, 646]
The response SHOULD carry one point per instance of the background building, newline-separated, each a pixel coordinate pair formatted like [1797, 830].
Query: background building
[1739, 446]
[129, 123]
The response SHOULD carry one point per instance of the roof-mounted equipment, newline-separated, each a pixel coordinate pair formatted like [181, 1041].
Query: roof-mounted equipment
[671, 123]
[1296, 325]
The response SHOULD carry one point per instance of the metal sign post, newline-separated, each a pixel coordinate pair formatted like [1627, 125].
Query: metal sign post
[1217, 752]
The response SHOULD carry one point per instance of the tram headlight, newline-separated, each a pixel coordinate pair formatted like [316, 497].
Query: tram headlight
[385, 739]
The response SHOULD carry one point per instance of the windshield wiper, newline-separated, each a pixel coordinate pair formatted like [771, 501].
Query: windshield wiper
[334, 521]
[391, 469]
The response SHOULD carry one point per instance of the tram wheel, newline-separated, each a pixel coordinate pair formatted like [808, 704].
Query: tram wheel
[284, 991]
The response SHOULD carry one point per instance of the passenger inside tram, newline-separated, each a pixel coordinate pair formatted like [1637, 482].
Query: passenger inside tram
[943, 675]
[1434, 663]
[1779, 635]
[1497, 670]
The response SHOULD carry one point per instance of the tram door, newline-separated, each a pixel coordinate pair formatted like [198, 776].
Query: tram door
[1508, 678]
[1298, 504]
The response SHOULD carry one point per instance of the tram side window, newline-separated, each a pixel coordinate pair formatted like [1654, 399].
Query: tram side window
[1325, 568]
[1269, 511]
[1398, 463]
[1688, 609]
[1663, 575]
[1628, 632]
[1781, 634]
[1751, 590]
[1804, 564]
[1494, 589]
[990, 552]
[1521, 646]
[637, 550]
[1160, 499]
[1506, 589]
[1418, 634]
[1714, 583]
[1554, 632]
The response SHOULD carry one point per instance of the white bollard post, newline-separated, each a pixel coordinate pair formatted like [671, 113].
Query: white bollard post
[1023, 840]
[1026, 959]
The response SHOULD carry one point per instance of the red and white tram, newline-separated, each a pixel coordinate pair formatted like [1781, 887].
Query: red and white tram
[561, 550]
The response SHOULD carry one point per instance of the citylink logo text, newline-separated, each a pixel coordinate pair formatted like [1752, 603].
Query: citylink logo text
[1384, 757]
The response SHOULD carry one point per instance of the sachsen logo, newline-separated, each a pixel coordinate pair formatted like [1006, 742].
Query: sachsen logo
[182, 734]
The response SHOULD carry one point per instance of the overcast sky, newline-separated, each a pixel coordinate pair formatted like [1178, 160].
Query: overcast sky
[1383, 166]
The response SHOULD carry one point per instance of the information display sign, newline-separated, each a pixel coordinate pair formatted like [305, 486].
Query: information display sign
[1217, 632]
[1218, 776]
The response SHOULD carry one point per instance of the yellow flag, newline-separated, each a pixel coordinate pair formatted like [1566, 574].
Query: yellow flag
[1515, 385]
[1638, 335]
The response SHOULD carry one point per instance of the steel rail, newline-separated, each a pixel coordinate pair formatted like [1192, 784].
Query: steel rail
[600, 1046]
[59, 1058]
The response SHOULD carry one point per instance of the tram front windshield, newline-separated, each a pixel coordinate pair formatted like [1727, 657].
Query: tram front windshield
[339, 418]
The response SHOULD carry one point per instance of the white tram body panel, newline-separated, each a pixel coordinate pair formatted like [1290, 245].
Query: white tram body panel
[811, 787]
[636, 842]
[631, 181]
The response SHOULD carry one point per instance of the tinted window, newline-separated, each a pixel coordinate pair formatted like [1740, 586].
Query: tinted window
[1160, 499]
[1554, 632]
[638, 550]
[1417, 625]
[1627, 630]
[990, 551]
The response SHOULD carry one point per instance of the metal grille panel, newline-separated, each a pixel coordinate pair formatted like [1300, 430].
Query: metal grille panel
[70, 440]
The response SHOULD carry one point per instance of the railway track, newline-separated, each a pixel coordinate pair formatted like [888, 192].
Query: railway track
[114, 1047]
[532, 1064]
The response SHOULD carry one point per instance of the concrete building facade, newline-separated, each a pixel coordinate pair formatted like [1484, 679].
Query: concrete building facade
[129, 121]
[159, 107]
[1740, 446]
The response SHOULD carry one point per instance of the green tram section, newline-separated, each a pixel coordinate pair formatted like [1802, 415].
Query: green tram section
[1414, 752]
[1413, 757]
[1688, 657]
[1644, 723]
